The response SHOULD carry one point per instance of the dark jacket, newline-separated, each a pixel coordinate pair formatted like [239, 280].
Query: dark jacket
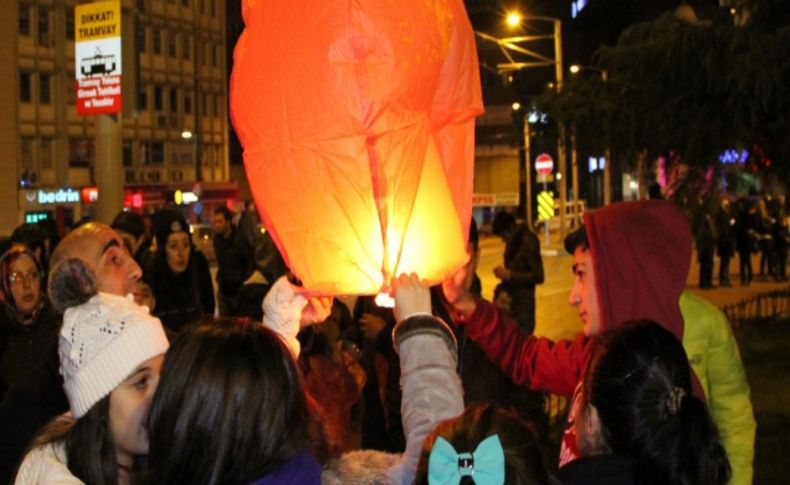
[30, 404]
[182, 298]
[523, 259]
[23, 346]
[235, 261]
[595, 470]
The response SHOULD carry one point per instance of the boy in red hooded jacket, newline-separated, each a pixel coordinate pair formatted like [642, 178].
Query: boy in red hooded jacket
[630, 262]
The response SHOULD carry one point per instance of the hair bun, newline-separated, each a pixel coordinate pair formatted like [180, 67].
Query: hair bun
[71, 283]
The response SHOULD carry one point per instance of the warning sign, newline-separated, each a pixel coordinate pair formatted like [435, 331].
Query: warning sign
[97, 32]
[545, 205]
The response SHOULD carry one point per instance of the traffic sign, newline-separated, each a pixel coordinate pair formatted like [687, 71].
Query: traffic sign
[544, 164]
[545, 205]
[97, 47]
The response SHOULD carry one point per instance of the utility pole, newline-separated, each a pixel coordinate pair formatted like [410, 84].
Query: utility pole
[561, 138]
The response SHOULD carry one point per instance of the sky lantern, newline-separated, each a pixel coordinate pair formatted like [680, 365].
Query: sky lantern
[357, 122]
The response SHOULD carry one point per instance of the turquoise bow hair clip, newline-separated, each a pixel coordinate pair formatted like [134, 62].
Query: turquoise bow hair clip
[486, 465]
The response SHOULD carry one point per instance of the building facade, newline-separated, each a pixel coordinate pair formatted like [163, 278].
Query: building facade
[174, 117]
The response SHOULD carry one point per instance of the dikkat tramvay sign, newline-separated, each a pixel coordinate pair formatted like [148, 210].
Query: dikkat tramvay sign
[97, 32]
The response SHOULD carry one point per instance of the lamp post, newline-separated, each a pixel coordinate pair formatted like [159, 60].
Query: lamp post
[519, 57]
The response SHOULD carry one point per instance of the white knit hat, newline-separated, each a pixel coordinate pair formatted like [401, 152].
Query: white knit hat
[102, 342]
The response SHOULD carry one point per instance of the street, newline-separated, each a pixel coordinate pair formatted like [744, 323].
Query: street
[556, 319]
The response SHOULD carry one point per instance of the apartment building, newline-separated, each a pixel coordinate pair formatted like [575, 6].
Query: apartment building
[174, 117]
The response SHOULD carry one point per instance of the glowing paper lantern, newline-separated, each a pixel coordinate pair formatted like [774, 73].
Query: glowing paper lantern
[357, 121]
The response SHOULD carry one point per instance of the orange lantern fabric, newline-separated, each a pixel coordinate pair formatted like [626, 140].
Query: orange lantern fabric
[357, 122]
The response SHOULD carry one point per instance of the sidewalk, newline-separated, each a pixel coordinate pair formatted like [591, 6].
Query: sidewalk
[557, 319]
[719, 296]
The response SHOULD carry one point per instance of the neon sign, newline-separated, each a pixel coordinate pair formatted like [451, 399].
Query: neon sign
[58, 196]
[734, 156]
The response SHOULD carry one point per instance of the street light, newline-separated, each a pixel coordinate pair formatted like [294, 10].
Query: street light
[518, 57]
[513, 19]
[577, 68]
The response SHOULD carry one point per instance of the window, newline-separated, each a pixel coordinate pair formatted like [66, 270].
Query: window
[69, 24]
[152, 153]
[141, 5]
[158, 102]
[46, 152]
[213, 55]
[24, 20]
[201, 6]
[174, 100]
[24, 87]
[44, 88]
[141, 38]
[26, 152]
[157, 42]
[186, 46]
[171, 44]
[127, 153]
[184, 3]
[218, 105]
[213, 7]
[188, 103]
[142, 99]
[44, 38]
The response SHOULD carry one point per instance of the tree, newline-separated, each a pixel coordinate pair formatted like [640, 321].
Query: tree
[688, 90]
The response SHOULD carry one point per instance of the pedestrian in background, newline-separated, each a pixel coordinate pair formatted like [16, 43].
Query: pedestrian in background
[523, 266]
[725, 244]
[131, 227]
[234, 261]
[28, 324]
[179, 274]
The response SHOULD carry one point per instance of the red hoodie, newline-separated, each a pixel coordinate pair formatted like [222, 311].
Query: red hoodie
[641, 252]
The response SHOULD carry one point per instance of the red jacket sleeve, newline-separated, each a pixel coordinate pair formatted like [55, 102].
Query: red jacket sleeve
[537, 362]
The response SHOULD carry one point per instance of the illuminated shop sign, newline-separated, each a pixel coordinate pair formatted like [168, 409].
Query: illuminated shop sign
[734, 156]
[60, 196]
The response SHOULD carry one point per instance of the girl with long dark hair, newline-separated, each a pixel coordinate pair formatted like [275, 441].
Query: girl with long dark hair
[638, 421]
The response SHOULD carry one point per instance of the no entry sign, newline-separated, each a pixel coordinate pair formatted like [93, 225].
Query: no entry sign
[544, 164]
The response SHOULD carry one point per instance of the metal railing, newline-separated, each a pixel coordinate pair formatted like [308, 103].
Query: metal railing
[770, 305]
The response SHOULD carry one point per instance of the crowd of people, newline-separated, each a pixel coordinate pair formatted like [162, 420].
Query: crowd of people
[742, 227]
[117, 367]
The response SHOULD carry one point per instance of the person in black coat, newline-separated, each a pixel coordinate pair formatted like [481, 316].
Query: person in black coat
[179, 274]
[235, 262]
[523, 269]
[745, 239]
[725, 243]
[28, 325]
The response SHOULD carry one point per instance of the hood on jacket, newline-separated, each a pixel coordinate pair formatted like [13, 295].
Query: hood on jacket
[641, 252]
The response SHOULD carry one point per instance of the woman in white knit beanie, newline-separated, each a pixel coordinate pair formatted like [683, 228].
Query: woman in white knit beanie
[111, 352]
